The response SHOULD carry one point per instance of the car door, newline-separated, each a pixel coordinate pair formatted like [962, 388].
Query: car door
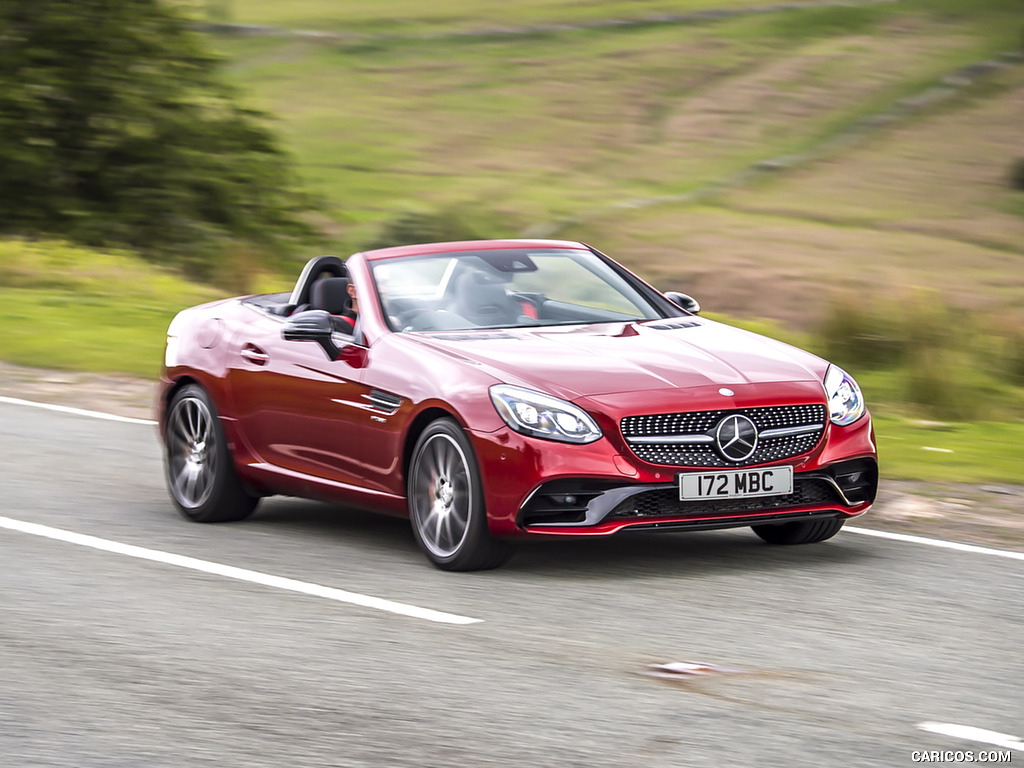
[297, 409]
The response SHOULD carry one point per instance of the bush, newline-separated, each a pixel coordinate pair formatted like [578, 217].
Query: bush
[116, 128]
[1017, 175]
[1006, 346]
[944, 363]
[413, 227]
[858, 333]
[947, 386]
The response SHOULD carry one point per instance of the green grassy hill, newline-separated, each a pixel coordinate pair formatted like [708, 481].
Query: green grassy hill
[413, 17]
[580, 131]
[776, 164]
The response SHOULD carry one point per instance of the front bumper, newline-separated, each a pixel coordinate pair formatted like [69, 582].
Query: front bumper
[538, 487]
[844, 489]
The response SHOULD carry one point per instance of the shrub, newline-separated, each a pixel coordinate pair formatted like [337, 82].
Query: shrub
[1017, 175]
[945, 386]
[412, 227]
[943, 363]
[116, 128]
[1005, 345]
[858, 333]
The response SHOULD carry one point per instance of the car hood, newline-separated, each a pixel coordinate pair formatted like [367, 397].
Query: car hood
[587, 361]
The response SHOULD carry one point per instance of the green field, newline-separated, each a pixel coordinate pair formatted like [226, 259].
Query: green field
[412, 17]
[72, 308]
[602, 133]
[568, 131]
[647, 141]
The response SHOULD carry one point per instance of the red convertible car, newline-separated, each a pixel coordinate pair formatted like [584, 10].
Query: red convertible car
[496, 390]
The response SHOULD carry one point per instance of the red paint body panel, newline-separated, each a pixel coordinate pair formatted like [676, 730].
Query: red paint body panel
[301, 424]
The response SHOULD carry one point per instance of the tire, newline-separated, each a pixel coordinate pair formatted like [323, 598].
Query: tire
[809, 532]
[446, 505]
[199, 470]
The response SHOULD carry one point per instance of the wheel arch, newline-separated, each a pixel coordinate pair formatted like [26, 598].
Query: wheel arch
[167, 394]
[184, 379]
[177, 385]
[423, 419]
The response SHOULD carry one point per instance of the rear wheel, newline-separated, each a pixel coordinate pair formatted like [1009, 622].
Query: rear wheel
[808, 532]
[446, 502]
[200, 475]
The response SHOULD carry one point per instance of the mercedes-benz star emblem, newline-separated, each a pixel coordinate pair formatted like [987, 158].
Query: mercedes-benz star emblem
[736, 437]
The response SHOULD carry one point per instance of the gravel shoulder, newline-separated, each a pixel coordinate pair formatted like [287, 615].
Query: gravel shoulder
[120, 395]
[988, 514]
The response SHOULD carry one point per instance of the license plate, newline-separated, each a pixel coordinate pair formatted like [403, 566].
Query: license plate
[736, 483]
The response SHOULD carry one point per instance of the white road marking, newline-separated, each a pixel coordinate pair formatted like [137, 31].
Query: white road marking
[228, 571]
[996, 739]
[76, 411]
[938, 543]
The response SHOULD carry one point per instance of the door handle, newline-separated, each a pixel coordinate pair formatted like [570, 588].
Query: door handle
[255, 355]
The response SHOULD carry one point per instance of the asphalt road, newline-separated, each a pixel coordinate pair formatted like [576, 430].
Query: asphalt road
[107, 660]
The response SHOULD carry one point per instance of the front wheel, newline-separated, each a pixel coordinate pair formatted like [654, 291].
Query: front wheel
[446, 502]
[803, 532]
[200, 475]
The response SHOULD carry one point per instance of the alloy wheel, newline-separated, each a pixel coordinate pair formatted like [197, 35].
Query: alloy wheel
[442, 495]
[191, 452]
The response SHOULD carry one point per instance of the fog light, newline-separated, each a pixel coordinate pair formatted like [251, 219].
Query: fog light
[848, 481]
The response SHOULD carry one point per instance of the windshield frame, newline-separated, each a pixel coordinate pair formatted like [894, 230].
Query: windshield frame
[661, 307]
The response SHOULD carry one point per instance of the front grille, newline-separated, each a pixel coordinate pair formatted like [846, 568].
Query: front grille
[704, 423]
[666, 503]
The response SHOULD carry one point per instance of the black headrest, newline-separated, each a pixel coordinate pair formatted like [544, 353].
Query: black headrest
[331, 294]
[303, 291]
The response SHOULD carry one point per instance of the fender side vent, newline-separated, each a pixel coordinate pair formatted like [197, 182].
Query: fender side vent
[383, 401]
[674, 325]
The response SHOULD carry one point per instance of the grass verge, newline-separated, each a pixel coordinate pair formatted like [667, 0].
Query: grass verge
[949, 452]
[71, 308]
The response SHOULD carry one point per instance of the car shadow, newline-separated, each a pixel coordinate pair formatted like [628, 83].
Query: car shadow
[623, 555]
[641, 554]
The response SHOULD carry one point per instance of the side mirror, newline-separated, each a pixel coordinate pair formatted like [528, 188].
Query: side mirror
[683, 301]
[312, 325]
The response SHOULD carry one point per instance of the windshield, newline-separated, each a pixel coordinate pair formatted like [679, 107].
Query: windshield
[504, 288]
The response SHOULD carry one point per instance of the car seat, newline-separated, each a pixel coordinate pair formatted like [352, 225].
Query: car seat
[331, 295]
[483, 301]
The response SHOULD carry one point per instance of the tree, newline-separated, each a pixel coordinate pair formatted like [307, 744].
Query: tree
[116, 127]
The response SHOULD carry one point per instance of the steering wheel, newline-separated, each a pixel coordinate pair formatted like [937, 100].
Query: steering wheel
[406, 320]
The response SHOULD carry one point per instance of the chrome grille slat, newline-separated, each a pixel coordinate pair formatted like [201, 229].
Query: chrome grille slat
[671, 440]
[679, 439]
[810, 429]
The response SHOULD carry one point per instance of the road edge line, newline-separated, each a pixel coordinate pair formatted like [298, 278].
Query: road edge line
[231, 572]
[972, 733]
[941, 543]
[75, 411]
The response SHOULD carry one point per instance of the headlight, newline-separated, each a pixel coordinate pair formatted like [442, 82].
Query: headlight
[539, 415]
[845, 402]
